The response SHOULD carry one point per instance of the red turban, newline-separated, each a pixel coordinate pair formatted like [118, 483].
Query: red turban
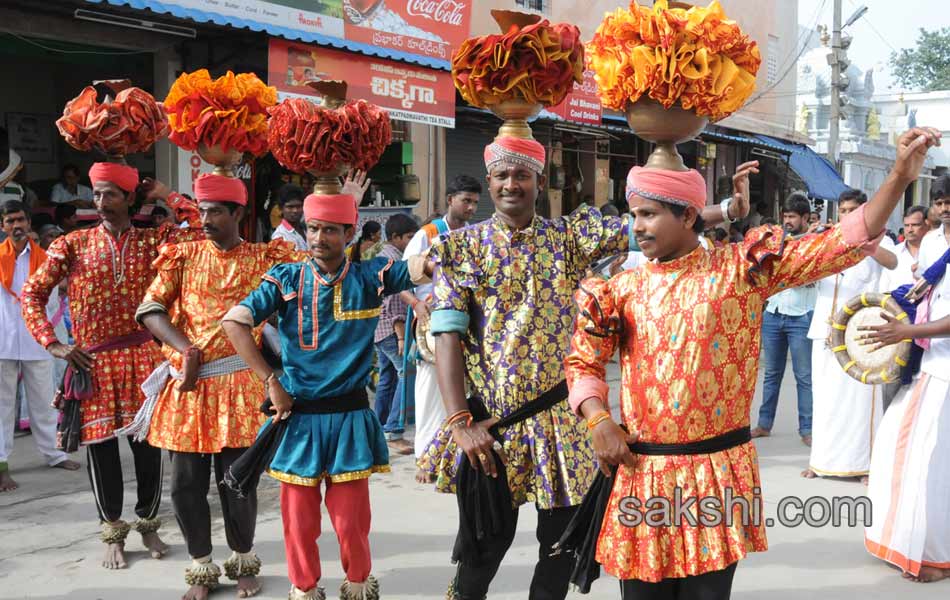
[516, 151]
[124, 176]
[218, 188]
[333, 208]
[685, 188]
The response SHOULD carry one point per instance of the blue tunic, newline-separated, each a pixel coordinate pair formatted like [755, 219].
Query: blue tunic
[326, 325]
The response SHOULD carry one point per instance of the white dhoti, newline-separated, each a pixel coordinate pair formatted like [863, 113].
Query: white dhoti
[430, 413]
[845, 415]
[910, 481]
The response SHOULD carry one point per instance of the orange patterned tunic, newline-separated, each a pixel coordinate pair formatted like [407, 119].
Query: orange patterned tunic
[197, 284]
[107, 279]
[688, 331]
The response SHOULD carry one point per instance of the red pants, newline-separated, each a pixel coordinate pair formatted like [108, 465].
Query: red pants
[348, 505]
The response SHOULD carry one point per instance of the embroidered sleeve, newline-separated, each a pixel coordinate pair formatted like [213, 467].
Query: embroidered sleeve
[279, 251]
[165, 288]
[594, 236]
[778, 262]
[268, 297]
[36, 291]
[457, 273]
[596, 336]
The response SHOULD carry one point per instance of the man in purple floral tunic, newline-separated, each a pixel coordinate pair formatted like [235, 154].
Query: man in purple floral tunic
[503, 313]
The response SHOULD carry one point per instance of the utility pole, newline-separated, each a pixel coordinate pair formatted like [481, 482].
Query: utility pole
[835, 114]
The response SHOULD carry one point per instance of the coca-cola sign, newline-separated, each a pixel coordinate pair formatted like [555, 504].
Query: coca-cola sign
[446, 12]
[432, 28]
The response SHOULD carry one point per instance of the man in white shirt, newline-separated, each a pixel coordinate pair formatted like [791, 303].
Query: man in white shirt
[461, 201]
[291, 228]
[70, 190]
[785, 325]
[936, 242]
[19, 352]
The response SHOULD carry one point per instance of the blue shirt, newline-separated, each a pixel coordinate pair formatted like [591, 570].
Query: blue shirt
[326, 322]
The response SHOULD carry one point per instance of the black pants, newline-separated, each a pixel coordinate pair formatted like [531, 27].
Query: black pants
[105, 475]
[551, 574]
[191, 475]
[716, 585]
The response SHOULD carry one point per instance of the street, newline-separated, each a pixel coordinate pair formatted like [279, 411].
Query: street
[50, 548]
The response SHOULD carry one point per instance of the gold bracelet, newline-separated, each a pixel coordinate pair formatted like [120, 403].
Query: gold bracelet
[597, 420]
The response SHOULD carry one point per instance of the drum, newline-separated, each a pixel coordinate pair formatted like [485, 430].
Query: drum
[425, 342]
[880, 366]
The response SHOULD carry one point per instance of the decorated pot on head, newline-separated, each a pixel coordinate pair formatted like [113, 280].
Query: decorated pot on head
[127, 120]
[221, 119]
[530, 65]
[328, 137]
[671, 69]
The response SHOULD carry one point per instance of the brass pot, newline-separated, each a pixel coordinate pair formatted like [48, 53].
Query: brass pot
[507, 18]
[665, 127]
[515, 114]
[224, 161]
[328, 182]
[332, 92]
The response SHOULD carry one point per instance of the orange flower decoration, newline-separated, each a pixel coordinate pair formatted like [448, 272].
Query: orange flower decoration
[538, 63]
[307, 137]
[229, 112]
[694, 56]
[130, 123]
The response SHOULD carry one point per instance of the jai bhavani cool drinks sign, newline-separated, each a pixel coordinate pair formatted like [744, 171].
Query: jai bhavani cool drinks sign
[408, 92]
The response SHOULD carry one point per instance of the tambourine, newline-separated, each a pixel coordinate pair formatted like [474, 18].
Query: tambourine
[871, 367]
[425, 342]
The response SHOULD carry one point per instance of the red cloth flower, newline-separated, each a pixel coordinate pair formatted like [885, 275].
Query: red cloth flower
[130, 123]
[306, 137]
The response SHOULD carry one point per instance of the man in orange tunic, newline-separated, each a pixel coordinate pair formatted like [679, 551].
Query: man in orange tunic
[687, 325]
[206, 400]
[109, 268]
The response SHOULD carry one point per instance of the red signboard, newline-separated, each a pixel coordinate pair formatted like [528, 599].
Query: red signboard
[408, 92]
[582, 105]
[432, 28]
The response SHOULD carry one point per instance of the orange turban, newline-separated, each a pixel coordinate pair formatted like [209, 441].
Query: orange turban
[124, 176]
[333, 208]
[516, 151]
[218, 188]
[685, 188]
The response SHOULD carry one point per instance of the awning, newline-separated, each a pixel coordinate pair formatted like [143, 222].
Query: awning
[822, 180]
[299, 20]
[739, 139]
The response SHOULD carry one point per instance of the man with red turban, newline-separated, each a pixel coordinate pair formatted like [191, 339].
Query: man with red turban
[327, 308]
[502, 312]
[203, 403]
[108, 268]
[688, 326]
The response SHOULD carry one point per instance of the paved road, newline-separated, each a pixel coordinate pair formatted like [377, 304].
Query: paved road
[49, 546]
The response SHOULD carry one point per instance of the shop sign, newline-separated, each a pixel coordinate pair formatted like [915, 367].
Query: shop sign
[582, 105]
[407, 92]
[190, 166]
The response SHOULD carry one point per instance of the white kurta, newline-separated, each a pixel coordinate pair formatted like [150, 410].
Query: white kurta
[910, 481]
[845, 411]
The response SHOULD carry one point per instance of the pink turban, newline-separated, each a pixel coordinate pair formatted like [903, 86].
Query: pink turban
[218, 188]
[333, 208]
[517, 151]
[685, 188]
[124, 176]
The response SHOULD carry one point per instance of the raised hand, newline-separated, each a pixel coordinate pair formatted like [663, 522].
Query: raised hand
[912, 149]
[356, 183]
[740, 186]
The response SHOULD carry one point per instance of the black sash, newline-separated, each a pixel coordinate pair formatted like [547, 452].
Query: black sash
[350, 401]
[541, 403]
[730, 439]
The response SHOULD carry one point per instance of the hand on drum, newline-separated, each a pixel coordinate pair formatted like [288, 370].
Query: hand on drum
[885, 334]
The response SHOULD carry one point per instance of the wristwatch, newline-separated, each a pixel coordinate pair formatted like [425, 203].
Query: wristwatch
[724, 207]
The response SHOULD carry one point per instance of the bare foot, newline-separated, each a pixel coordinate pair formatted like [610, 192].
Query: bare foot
[115, 556]
[423, 476]
[69, 465]
[196, 592]
[930, 575]
[401, 446]
[248, 586]
[809, 474]
[806, 439]
[864, 480]
[156, 547]
[6, 482]
[760, 432]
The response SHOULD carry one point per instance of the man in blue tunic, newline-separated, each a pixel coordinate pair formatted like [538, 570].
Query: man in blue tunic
[327, 309]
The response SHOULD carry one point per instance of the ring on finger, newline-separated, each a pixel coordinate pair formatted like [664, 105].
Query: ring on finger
[483, 457]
